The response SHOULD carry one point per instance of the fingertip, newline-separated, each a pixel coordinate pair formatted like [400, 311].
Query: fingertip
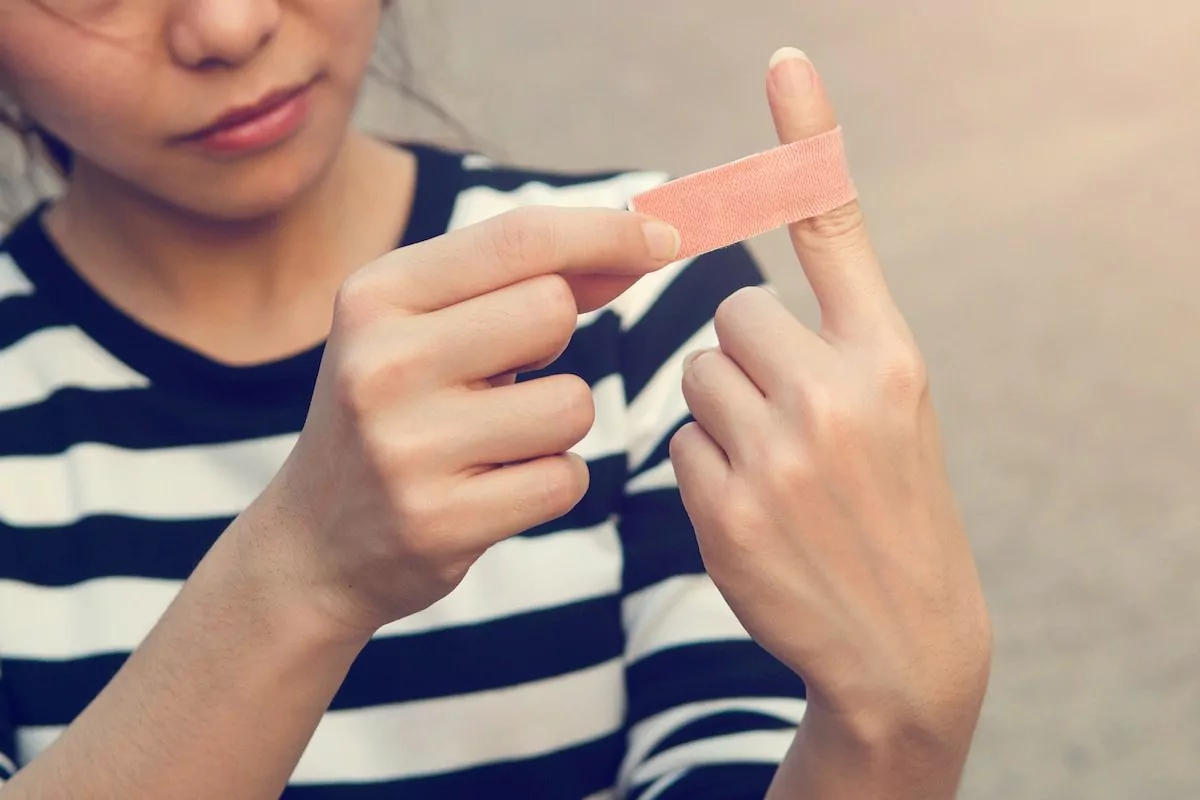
[583, 473]
[797, 97]
[663, 240]
[679, 439]
[578, 463]
[699, 463]
[785, 53]
[790, 74]
[691, 357]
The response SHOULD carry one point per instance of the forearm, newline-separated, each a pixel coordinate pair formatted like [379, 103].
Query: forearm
[219, 701]
[828, 761]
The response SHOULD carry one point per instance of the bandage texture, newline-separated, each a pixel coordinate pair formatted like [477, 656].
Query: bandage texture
[756, 194]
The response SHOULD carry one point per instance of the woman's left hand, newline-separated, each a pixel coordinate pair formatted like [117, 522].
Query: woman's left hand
[815, 478]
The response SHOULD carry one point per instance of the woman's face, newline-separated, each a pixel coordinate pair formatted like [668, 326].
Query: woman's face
[227, 108]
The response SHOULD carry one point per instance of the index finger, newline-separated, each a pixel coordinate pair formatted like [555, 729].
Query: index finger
[834, 249]
[523, 244]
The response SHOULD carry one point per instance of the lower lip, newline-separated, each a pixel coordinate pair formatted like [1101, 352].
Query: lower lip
[261, 132]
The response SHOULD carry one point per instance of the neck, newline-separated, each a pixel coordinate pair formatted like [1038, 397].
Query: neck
[239, 291]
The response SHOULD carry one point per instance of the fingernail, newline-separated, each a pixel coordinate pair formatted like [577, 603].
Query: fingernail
[690, 358]
[662, 240]
[791, 72]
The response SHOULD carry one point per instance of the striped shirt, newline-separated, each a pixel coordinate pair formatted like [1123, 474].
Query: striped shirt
[590, 657]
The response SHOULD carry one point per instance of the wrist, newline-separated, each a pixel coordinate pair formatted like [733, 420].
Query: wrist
[266, 552]
[882, 755]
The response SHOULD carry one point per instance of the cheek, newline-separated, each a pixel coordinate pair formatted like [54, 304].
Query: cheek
[97, 121]
[349, 28]
[95, 98]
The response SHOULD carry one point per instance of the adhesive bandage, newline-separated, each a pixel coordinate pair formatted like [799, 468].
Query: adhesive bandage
[728, 204]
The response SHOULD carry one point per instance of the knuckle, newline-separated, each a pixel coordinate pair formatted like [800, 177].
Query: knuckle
[406, 359]
[741, 518]
[839, 224]
[450, 572]
[831, 420]
[903, 374]
[760, 440]
[356, 384]
[526, 235]
[356, 300]
[554, 303]
[411, 452]
[422, 522]
[796, 383]
[733, 310]
[365, 380]
[548, 311]
[788, 470]
[431, 537]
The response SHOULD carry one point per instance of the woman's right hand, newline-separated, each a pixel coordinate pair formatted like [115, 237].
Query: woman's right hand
[416, 457]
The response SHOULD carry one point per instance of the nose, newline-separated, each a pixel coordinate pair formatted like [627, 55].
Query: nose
[221, 33]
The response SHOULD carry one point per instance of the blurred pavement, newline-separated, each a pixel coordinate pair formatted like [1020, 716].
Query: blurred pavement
[1032, 172]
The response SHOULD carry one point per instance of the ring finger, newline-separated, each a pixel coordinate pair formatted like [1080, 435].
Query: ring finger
[514, 423]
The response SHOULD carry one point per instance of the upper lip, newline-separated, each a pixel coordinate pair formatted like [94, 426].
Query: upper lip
[242, 114]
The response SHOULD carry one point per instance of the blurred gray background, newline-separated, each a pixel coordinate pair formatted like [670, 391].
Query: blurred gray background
[1032, 173]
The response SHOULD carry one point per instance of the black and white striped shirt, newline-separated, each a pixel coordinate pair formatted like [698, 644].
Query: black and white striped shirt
[587, 658]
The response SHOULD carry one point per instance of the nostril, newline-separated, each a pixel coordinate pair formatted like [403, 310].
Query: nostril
[216, 34]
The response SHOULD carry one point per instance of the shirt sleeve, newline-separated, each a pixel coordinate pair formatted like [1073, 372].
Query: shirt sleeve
[710, 714]
[8, 742]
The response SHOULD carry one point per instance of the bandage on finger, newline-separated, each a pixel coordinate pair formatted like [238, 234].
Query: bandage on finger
[731, 203]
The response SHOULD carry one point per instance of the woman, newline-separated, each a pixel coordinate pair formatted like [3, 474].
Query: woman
[356, 558]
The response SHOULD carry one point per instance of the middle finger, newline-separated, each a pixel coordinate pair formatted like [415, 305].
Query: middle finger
[726, 404]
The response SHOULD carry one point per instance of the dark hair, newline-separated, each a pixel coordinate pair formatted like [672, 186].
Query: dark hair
[30, 134]
[394, 67]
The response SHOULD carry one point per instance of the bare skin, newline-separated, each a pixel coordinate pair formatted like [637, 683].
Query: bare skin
[389, 497]
[815, 478]
[813, 474]
[206, 286]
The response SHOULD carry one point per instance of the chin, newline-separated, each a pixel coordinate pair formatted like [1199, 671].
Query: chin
[258, 187]
[247, 200]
